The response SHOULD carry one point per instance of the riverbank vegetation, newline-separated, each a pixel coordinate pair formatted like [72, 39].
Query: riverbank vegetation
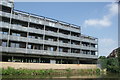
[12, 71]
[111, 64]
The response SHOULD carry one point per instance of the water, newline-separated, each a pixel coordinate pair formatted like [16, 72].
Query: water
[109, 76]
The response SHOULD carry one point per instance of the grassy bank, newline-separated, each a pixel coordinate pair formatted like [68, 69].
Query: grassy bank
[12, 71]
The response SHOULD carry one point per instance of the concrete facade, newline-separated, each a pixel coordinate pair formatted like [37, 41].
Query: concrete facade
[37, 39]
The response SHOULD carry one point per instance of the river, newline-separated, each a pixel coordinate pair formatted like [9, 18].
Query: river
[109, 76]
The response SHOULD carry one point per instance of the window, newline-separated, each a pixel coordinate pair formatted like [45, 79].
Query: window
[2, 32]
[4, 44]
[92, 53]
[29, 46]
[17, 45]
[15, 34]
[51, 49]
[13, 45]
[40, 38]
[60, 49]
[37, 47]
[29, 36]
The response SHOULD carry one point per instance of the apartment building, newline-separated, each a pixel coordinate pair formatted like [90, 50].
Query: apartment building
[31, 38]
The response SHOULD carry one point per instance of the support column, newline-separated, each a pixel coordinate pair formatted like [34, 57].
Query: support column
[61, 61]
[77, 61]
[58, 41]
[39, 60]
[28, 33]
[10, 26]
[44, 35]
[70, 43]
[12, 58]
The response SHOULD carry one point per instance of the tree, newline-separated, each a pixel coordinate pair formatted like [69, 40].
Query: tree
[118, 54]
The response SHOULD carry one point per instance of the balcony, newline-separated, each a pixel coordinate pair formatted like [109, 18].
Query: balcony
[93, 49]
[21, 39]
[64, 44]
[85, 47]
[13, 50]
[26, 29]
[4, 25]
[75, 30]
[5, 14]
[75, 46]
[89, 48]
[20, 16]
[5, 37]
[44, 52]
[88, 40]
[37, 31]
[94, 41]
[6, 3]
[64, 36]
[75, 38]
[51, 33]
[36, 20]
[64, 27]
[19, 27]
[55, 43]
[49, 23]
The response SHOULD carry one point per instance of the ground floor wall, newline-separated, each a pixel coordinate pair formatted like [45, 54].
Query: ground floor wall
[18, 65]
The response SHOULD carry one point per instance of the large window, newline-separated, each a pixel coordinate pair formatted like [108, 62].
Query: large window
[17, 45]
[92, 52]
[4, 32]
[35, 46]
[4, 44]
[29, 46]
[35, 36]
[15, 34]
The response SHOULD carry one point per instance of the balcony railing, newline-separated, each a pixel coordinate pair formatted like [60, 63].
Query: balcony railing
[5, 14]
[65, 44]
[44, 52]
[47, 22]
[51, 33]
[39, 31]
[48, 42]
[36, 20]
[6, 3]
[64, 36]
[4, 24]
[21, 17]
[75, 46]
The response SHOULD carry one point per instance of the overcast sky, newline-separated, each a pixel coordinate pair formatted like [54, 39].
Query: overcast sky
[97, 19]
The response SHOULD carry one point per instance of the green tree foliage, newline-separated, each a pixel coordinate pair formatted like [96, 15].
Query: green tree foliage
[111, 64]
[118, 54]
[102, 57]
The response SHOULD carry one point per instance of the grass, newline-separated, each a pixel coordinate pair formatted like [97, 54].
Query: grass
[12, 71]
